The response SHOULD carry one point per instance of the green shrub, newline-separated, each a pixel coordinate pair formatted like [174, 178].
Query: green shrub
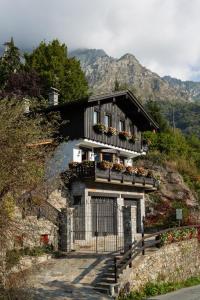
[12, 258]
[159, 288]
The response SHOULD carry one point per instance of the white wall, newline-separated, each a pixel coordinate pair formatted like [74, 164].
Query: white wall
[64, 153]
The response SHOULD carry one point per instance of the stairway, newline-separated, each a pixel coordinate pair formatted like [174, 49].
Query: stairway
[105, 281]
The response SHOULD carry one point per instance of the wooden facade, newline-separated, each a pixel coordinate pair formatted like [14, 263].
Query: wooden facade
[78, 119]
[116, 114]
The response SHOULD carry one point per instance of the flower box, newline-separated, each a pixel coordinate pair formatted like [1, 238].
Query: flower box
[124, 135]
[104, 165]
[99, 128]
[128, 177]
[111, 131]
[118, 167]
[132, 139]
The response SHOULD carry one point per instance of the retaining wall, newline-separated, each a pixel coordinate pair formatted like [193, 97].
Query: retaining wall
[174, 262]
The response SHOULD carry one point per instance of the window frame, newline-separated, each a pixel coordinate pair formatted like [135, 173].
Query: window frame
[97, 112]
[122, 122]
[109, 120]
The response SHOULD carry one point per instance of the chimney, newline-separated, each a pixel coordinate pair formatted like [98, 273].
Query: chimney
[53, 96]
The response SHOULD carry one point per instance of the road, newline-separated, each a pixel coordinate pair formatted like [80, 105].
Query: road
[191, 293]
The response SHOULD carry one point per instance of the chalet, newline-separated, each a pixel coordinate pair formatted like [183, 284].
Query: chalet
[103, 136]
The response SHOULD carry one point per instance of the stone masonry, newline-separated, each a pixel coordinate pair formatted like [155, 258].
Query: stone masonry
[174, 262]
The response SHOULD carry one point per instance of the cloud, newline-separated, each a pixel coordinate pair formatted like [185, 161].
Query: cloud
[162, 34]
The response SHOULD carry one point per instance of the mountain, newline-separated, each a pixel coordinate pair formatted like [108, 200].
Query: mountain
[103, 72]
[190, 87]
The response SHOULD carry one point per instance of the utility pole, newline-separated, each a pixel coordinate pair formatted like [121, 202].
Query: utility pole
[173, 119]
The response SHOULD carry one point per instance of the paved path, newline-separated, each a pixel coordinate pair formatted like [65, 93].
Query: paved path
[67, 278]
[191, 293]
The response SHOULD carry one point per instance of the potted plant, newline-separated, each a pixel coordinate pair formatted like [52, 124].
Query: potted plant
[105, 165]
[132, 139]
[131, 170]
[99, 128]
[87, 163]
[111, 131]
[73, 164]
[118, 167]
[124, 135]
[150, 173]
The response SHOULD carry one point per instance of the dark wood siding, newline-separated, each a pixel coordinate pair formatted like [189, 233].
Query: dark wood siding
[117, 114]
[73, 123]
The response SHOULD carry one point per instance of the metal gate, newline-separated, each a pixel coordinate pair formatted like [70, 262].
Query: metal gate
[98, 226]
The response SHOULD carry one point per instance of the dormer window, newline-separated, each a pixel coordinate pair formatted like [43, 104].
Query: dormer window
[107, 120]
[96, 117]
[121, 125]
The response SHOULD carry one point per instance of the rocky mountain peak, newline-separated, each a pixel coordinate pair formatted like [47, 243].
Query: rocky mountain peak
[102, 71]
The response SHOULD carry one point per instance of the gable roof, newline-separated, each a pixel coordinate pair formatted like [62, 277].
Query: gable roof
[131, 96]
[125, 95]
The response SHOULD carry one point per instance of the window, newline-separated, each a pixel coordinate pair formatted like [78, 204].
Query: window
[107, 157]
[121, 125]
[77, 200]
[131, 128]
[96, 117]
[107, 120]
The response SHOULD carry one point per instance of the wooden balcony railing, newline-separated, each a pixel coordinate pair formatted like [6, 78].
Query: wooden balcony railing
[109, 175]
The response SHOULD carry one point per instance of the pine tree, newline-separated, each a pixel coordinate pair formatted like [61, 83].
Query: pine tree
[56, 69]
[10, 62]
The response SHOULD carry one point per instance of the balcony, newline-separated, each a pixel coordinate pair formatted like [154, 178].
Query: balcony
[91, 170]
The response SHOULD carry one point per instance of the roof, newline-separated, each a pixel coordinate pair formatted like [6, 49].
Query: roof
[102, 97]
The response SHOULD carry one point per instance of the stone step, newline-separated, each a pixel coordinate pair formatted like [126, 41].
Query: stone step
[102, 290]
[104, 284]
[107, 274]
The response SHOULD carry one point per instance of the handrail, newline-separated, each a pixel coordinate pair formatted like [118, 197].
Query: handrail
[138, 247]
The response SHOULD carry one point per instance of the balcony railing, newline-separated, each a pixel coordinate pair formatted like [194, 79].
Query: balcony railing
[92, 171]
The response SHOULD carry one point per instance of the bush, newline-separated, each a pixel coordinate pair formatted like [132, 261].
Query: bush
[12, 258]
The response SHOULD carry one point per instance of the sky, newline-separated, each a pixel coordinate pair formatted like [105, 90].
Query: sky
[162, 34]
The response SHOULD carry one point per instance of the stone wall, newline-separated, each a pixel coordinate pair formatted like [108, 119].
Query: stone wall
[174, 262]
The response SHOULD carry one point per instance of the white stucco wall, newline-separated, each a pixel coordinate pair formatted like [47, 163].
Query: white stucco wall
[64, 153]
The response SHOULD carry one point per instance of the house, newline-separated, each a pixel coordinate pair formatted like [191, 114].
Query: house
[104, 135]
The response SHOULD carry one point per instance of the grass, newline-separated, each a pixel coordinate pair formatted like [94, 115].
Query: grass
[159, 288]
[13, 256]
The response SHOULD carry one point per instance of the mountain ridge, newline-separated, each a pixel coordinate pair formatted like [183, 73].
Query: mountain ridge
[102, 71]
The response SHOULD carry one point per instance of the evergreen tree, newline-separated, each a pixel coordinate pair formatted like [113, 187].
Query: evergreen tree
[55, 69]
[155, 111]
[10, 62]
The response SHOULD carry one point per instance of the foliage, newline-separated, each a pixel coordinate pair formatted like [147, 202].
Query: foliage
[159, 288]
[155, 112]
[10, 62]
[186, 116]
[118, 167]
[13, 256]
[131, 170]
[21, 164]
[111, 131]
[105, 165]
[132, 138]
[178, 235]
[124, 135]
[24, 84]
[100, 128]
[55, 69]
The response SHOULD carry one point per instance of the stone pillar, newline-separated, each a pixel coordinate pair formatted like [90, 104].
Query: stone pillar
[66, 229]
[140, 214]
[88, 218]
[129, 222]
[120, 204]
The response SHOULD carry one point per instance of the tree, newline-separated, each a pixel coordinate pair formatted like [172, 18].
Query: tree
[25, 84]
[55, 69]
[10, 62]
[155, 112]
[22, 165]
